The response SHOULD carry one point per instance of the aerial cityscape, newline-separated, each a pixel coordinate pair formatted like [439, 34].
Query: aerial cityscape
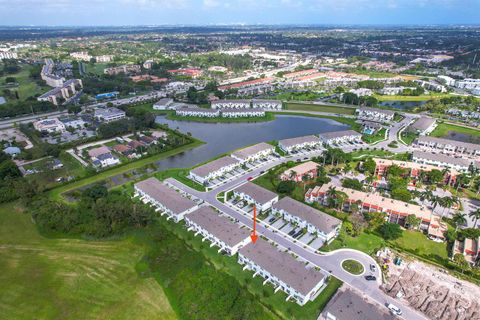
[227, 160]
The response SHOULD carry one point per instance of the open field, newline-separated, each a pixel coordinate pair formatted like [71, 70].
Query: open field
[26, 86]
[71, 278]
[422, 97]
[319, 108]
[443, 129]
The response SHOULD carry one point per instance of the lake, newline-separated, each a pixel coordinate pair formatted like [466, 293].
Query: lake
[452, 135]
[221, 138]
[404, 105]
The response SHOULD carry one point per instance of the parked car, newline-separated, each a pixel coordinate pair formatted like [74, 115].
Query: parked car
[394, 309]
[370, 278]
[271, 220]
[249, 178]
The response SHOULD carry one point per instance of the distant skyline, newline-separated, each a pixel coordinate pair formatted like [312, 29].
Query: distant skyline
[207, 12]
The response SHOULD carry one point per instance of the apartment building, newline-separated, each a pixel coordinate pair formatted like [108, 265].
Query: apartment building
[246, 84]
[448, 146]
[64, 92]
[255, 152]
[262, 198]
[163, 104]
[8, 55]
[214, 169]
[423, 126]
[282, 270]
[197, 112]
[470, 248]
[315, 221]
[164, 199]
[414, 169]
[126, 68]
[109, 114]
[395, 211]
[299, 143]
[242, 113]
[81, 55]
[361, 92]
[308, 169]
[230, 104]
[374, 114]
[339, 137]
[442, 160]
[51, 125]
[267, 104]
[220, 230]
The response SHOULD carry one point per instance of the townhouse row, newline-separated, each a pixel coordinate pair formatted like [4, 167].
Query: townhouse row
[450, 147]
[217, 113]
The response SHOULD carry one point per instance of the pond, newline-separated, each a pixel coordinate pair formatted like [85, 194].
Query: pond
[404, 105]
[452, 135]
[221, 138]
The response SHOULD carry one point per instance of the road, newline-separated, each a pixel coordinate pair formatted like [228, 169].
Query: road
[329, 262]
[9, 123]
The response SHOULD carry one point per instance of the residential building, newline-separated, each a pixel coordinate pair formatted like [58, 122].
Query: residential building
[220, 230]
[163, 104]
[76, 123]
[369, 127]
[262, 198]
[414, 169]
[299, 143]
[123, 149]
[315, 221]
[197, 112]
[102, 157]
[148, 64]
[267, 104]
[423, 126]
[148, 77]
[255, 152]
[189, 72]
[362, 92]
[214, 169]
[165, 199]
[442, 160]
[433, 86]
[126, 68]
[282, 270]
[246, 84]
[104, 58]
[230, 104]
[66, 91]
[308, 169]
[448, 146]
[82, 55]
[339, 137]
[12, 151]
[50, 125]
[109, 114]
[375, 114]
[449, 81]
[301, 73]
[469, 84]
[392, 91]
[469, 247]
[8, 55]
[350, 305]
[242, 113]
[395, 211]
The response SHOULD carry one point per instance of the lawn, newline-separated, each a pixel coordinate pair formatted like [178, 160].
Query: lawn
[411, 98]
[95, 68]
[376, 137]
[320, 108]
[347, 121]
[365, 242]
[352, 266]
[418, 243]
[27, 87]
[408, 137]
[443, 129]
[46, 278]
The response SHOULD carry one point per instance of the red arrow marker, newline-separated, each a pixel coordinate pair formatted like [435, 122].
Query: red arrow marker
[254, 236]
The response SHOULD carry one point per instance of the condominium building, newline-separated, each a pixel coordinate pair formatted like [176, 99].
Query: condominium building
[242, 113]
[197, 112]
[315, 221]
[50, 125]
[255, 152]
[165, 199]
[267, 104]
[470, 248]
[362, 92]
[8, 55]
[104, 58]
[298, 143]
[126, 68]
[163, 104]
[442, 160]
[282, 270]
[375, 114]
[246, 84]
[109, 114]
[82, 55]
[339, 137]
[448, 146]
[468, 84]
[64, 92]
[220, 230]
[395, 211]
[308, 169]
[423, 126]
[214, 169]
[262, 198]
[230, 104]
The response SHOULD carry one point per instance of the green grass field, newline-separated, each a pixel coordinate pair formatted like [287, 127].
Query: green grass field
[376, 137]
[320, 108]
[443, 129]
[423, 97]
[27, 87]
[46, 278]
[418, 243]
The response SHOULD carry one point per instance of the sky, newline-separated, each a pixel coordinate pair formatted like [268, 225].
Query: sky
[214, 12]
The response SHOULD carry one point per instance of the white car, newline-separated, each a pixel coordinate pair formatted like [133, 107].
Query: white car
[394, 309]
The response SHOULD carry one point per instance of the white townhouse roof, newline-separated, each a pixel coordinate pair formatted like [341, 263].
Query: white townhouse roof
[442, 141]
[215, 165]
[252, 150]
[219, 226]
[319, 219]
[169, 198]
[438, 157]
[422, 123]
[389, 113]
[339, 134]
[242, 110]
[299, 140]
[283, 266]
[259, 194]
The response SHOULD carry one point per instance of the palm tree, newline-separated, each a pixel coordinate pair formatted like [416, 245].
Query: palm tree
[461, 180]
[447, 202]
[446, 172]
[305, 179]
[435, 201]
[426, 195]
[459, 219]
[293, 175]
[475, 215]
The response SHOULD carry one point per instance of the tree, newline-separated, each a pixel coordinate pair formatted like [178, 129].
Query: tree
[435, 176]
[293, 175]
[395, 171]
[475, 215]
[459, 219]
[459, 260]
[352, 184]
[390, 231]
[461, 180]
[375, 219]
[286, 187]
[369, 166]
[412, 221]
[401, 194]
